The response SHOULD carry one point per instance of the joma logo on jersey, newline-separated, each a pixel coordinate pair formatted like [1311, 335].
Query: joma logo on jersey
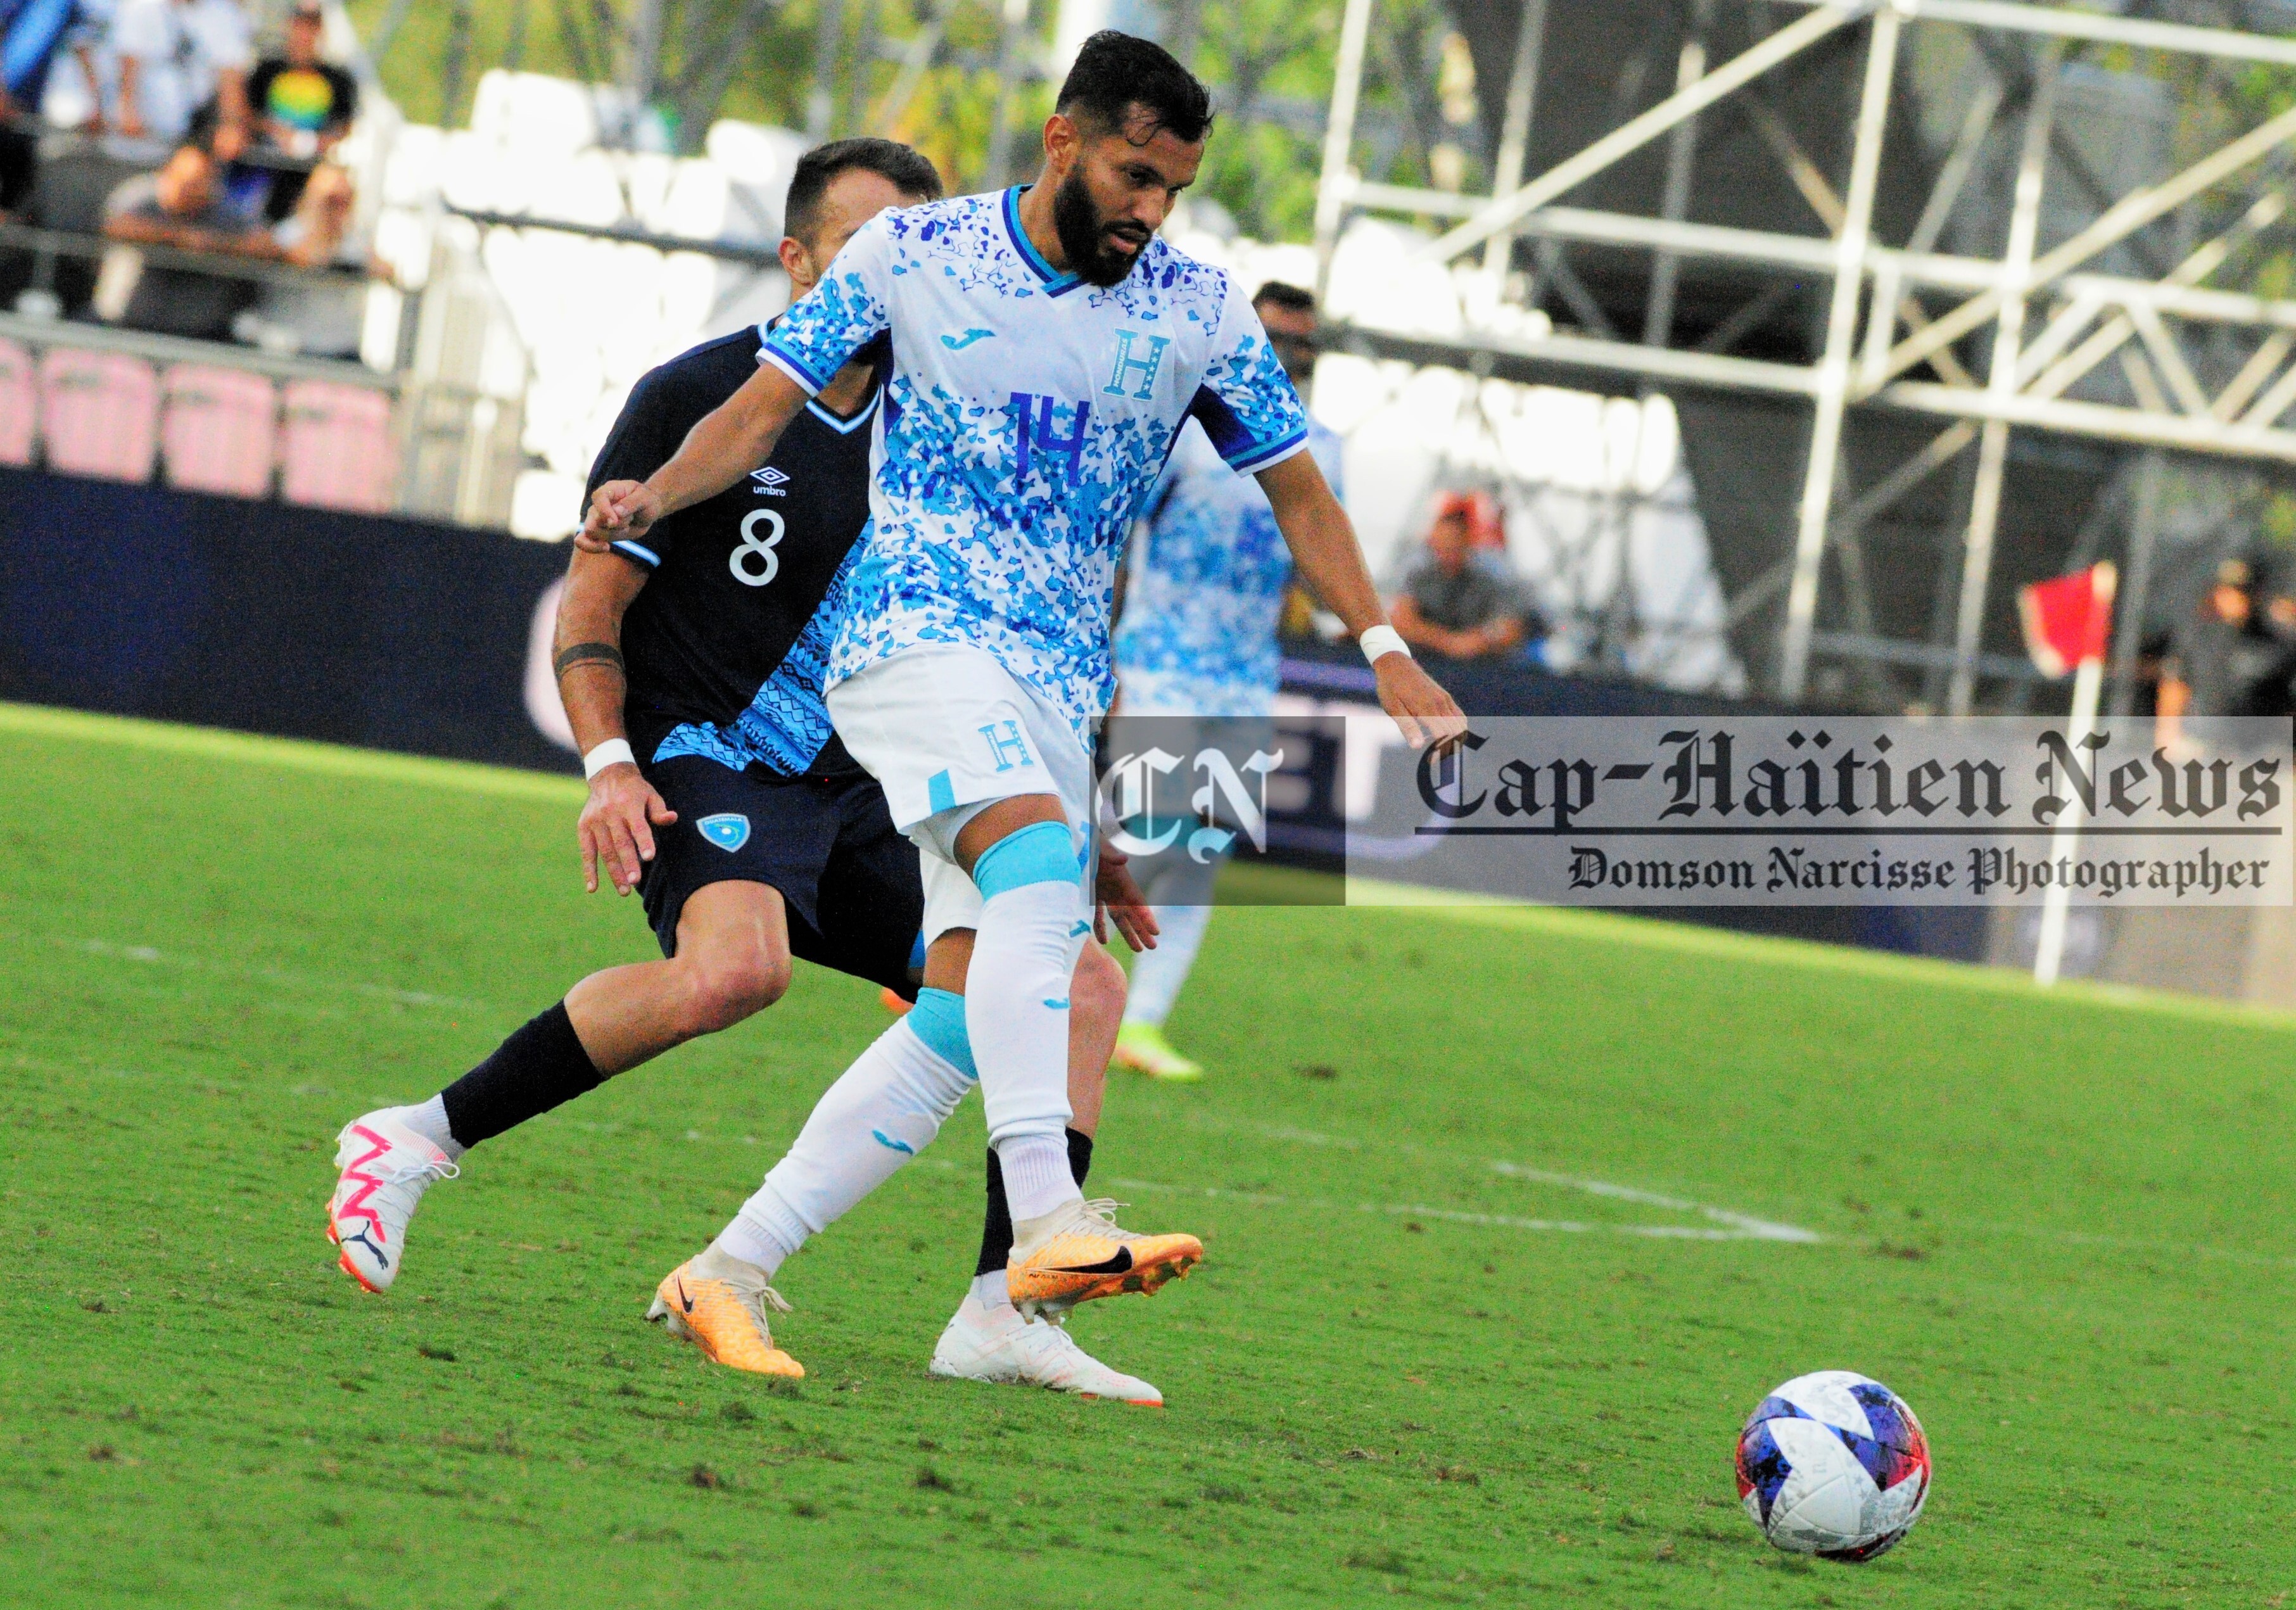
[1130, 366]
[771, 482]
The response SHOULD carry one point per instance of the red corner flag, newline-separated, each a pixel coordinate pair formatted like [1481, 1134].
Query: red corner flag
[2068, 619]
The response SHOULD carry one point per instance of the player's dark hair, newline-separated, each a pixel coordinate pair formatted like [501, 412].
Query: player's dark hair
[911, 173]
[1115, 72]
[1289, 297]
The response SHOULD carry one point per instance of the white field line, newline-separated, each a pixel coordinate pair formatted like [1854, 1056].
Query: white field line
[1412, 1210]
[1740, 1226]
[1759, 1229]
[150, 956]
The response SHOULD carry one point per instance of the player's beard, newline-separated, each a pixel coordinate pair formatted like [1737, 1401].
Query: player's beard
[1084, 237]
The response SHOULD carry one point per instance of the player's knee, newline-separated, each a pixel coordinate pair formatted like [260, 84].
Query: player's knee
[727, 989]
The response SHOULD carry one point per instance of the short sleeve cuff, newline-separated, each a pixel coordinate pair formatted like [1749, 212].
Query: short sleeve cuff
[791, 365]
[637, 553]
[1262, 455]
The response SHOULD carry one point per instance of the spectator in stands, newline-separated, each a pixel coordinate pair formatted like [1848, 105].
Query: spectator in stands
[81, 101]
[32, 32]
[302, 106]
[319, 318]
[183, 72]
[182, 207]
[1455, 601]
[2200, 675]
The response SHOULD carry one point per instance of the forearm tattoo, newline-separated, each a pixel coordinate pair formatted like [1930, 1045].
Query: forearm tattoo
[589, 653]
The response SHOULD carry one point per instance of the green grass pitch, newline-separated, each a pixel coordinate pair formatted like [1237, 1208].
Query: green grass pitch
[2060, 1226]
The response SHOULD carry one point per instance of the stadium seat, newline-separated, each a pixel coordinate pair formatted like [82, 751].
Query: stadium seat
[19, 404]
[219, 432]
[102, 414]
[338, 451]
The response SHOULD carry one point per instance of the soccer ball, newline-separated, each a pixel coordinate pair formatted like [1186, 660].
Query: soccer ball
[1834, 1464]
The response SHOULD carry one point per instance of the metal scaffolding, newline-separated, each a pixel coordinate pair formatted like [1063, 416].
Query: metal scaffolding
[1906, 322]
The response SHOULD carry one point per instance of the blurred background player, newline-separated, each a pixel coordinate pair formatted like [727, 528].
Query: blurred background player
[1038, 395]
[752, 837]
[1195, 638]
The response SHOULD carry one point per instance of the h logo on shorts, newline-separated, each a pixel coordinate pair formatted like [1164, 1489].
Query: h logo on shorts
[1006, 746]
[1128, 365]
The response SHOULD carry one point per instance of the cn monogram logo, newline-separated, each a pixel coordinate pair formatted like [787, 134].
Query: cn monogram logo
[1130, 366]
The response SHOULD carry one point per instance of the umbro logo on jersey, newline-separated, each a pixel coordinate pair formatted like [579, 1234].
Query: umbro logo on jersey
[728, 831]
[771, 480]
[958, 344]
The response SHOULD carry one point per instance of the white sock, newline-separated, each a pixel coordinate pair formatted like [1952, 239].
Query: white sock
[428, 1119]
[886, 1109]
[1016, 1017]
[1158, 974]
[990, 1290]
[1037, 1177]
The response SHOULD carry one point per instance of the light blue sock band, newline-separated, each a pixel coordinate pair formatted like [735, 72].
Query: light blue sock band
[937, 1019]
[1039, 853]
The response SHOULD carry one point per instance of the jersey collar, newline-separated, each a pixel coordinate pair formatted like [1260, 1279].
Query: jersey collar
[1055, 282]
[846, 427]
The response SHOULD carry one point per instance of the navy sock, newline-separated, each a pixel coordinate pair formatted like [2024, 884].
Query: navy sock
[537, 1068]
[997, 1229]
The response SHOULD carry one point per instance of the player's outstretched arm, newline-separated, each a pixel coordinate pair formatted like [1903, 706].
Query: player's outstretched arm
[619, 819]
[728, 442]
[1323, 544]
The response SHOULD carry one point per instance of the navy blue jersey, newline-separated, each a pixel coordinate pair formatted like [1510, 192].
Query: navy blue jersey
[727, 645]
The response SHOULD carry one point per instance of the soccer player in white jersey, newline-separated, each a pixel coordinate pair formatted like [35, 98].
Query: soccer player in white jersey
[1195, 644]
[690, 666]
[1046, 349]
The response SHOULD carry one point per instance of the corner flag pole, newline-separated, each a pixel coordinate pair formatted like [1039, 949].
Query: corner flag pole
[2068, 619]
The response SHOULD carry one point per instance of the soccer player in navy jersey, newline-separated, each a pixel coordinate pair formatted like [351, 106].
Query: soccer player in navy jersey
[1046, 347]
[691, 662]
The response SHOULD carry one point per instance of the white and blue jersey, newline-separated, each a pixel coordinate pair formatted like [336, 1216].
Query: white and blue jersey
[1204, 588]
[1027, 418]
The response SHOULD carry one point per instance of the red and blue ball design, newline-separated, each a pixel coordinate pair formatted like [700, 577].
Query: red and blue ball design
[1835, 1465]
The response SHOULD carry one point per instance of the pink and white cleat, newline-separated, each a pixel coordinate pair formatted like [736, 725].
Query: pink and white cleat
[386, 1167]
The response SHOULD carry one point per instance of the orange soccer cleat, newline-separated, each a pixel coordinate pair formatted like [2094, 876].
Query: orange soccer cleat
[1080, 1253]
[718, 1303]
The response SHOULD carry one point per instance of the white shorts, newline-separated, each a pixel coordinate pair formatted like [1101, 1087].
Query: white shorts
[947, 731]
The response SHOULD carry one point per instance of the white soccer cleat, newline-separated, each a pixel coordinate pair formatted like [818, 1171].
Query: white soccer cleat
[386, 1167]
[996, 1344]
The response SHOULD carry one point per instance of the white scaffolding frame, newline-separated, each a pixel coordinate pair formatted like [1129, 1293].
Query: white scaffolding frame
[1876, 344]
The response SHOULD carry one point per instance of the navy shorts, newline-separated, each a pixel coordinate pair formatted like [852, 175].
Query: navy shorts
[849, 880]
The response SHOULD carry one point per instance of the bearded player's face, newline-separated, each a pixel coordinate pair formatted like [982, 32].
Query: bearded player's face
[1117, 190]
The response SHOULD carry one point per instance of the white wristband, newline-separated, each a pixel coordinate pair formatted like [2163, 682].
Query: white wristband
[613, 751]
[1379, 641]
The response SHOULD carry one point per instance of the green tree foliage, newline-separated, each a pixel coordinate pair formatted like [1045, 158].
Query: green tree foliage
[1269, 62]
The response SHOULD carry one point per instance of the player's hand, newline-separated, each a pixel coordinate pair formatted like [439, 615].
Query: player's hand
[617, 827]
[618, 509]
[1118, 900]
[1421, 708]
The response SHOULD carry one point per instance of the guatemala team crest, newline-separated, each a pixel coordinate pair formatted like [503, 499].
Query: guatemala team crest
[727, 830]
